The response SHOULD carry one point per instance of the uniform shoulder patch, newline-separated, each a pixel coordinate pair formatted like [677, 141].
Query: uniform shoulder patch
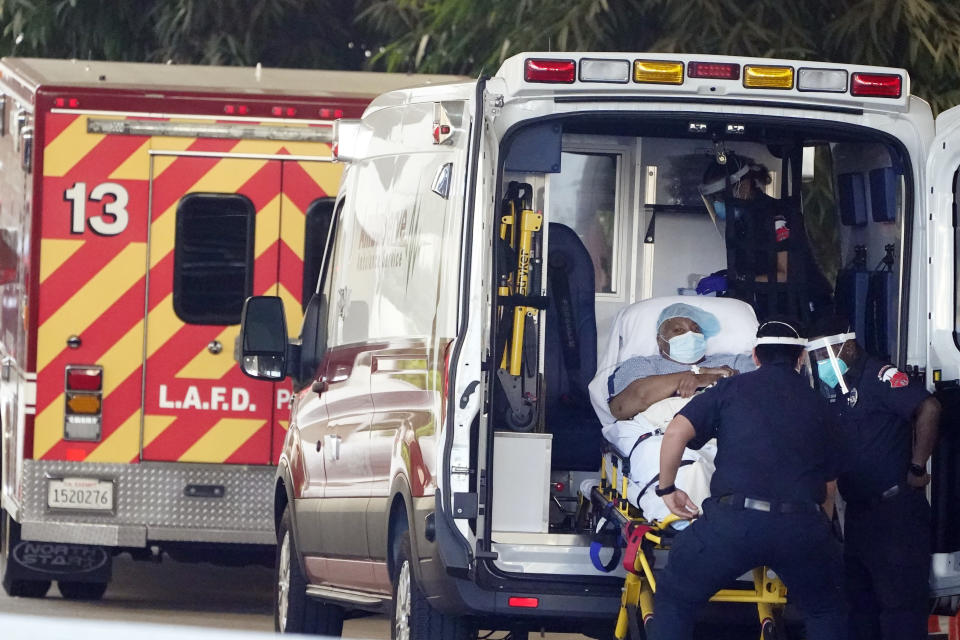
[780, 228]
[893, 376]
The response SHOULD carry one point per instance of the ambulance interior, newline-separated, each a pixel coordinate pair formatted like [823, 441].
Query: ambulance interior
[623, 221]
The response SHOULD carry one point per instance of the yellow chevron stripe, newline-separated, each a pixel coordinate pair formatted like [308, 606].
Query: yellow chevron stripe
[48, 427]
[120, 446]
[86, 305]
[267, 226]
[162, 324]
[118, 363]
[318, 149]
[162, 163]
[292, 226]
[136, 166]
[153, 426]
[209, 366]
[325, 174]
[54, 252]
[284, 424]
[292, 309]
[226, 176]
[68, 148]
[219, 443]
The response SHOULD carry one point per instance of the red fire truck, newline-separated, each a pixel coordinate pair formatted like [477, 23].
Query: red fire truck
[140, 204]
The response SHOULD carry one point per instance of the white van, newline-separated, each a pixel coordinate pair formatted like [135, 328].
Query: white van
[486, 235]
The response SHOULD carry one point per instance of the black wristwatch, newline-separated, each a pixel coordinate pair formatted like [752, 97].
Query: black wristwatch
[665, 491]
[917, 470]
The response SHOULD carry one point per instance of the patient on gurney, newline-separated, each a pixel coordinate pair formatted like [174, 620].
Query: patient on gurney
[642, 383]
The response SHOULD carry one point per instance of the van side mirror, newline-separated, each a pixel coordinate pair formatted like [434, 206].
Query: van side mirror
[263, 338]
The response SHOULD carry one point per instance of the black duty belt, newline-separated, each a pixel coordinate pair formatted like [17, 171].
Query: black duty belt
[739, 501]
[891, 493]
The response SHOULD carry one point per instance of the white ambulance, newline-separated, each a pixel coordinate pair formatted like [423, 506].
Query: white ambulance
[487, 234]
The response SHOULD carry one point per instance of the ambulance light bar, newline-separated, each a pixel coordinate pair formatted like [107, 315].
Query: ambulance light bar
[716, 70]
[768, 77]
[550, 71]
[876, 85]
[829, 80]
[753, 74]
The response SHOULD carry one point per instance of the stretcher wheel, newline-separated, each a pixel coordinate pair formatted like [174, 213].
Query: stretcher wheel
[773, 630]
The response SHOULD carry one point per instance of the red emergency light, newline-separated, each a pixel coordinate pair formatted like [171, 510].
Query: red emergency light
[84, 379]
[550, 71]
[240, 109]
[526, 603]
[284, 111]
[714, 70]
[73, 103]
[876, 85]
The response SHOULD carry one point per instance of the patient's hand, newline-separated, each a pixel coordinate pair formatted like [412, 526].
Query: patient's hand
[681, 505]
[723, 372]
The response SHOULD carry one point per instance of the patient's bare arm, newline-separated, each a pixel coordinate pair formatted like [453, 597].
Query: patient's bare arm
[643, 392]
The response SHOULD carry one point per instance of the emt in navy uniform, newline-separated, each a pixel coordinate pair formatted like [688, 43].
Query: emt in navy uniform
[776, 453]
[890, 426]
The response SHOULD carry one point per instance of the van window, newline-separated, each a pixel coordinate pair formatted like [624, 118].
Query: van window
[213, 257]
[318, 217]
[583, 197]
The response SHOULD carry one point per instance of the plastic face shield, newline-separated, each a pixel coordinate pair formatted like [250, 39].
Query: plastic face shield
[828, 348]
[710, 191]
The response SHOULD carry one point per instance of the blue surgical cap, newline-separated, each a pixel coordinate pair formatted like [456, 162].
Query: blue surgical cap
[707, 321]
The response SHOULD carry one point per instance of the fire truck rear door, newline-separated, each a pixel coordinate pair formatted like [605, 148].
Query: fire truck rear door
[214, 240]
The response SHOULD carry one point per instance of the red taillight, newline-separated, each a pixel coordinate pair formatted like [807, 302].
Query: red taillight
[84, 379]
[229, 109]
[73, 103]
[877, 85]
[243, 109]
[338, 113]
[550, 71]
[324, 113]
[528, 603]
[716, 70]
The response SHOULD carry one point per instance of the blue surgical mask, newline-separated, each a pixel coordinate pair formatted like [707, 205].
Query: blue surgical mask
[688, 347]
[828, 373]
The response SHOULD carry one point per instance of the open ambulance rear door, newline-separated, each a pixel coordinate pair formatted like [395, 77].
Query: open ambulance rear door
[943, 241]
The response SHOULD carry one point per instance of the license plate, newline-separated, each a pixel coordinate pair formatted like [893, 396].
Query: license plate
[87, 494]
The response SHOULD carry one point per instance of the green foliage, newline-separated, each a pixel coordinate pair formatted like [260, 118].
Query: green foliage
[291, 33]
[469, 36]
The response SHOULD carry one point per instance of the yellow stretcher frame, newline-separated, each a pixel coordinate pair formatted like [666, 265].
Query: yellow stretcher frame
[640, 584]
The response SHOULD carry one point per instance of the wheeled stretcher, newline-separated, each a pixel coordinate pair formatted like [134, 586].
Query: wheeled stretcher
[647, 541]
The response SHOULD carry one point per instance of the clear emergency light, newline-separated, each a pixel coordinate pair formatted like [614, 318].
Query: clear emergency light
[828, 80]
[597, 70]
[82, 417]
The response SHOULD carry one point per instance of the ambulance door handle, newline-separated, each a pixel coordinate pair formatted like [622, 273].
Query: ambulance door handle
[333, 445]
[319, 386]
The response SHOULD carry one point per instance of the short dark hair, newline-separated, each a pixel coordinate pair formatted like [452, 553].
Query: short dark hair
[779, 353]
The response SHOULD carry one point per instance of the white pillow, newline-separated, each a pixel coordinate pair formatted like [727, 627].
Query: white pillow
[637, 330]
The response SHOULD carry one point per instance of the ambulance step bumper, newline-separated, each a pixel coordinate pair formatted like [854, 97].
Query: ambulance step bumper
[153, 502]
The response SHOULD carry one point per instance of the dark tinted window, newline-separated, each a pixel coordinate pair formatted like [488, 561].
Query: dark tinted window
[213, 259]
[318, 217]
